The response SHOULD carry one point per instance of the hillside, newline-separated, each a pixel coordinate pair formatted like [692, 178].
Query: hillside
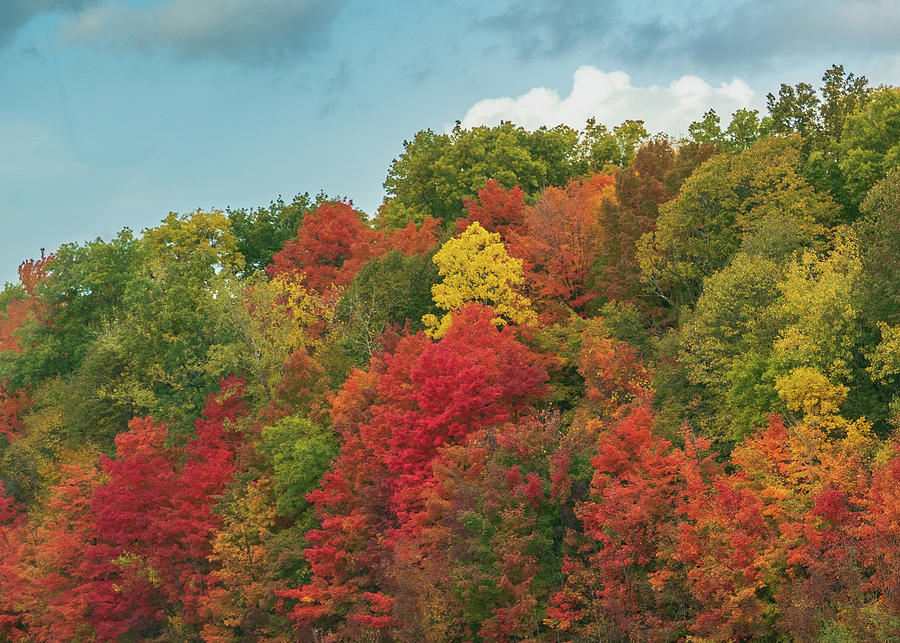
[564, 385]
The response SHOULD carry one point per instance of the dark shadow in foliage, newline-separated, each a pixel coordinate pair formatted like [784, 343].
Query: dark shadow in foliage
[394, 289]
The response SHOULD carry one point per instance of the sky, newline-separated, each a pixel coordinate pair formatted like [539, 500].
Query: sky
[115, 112]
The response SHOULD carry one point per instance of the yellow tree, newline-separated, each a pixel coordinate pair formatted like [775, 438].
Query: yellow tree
[476, 267]
[195, 240]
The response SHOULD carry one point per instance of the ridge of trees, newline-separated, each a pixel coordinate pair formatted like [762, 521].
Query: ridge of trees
[566, 385]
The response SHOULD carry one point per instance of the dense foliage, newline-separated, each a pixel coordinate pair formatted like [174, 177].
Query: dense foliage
[565, 386]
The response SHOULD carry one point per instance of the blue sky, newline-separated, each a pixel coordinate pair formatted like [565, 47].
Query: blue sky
[115, 112]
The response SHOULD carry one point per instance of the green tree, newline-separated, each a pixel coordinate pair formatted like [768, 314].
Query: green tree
[698, 231]
[724, 344]
[709, 130]
[870, 145]
[744, 130]
[261, 232]
[299, 452]
[878, 232]
[820, 119]
[394, 289]
[171, 318]
[795, 109]
[262, 322]
[731, 319]
[602, 148]
[437, 172]
[94, 411]
[842, 94]
[820, 328]
[85, 292]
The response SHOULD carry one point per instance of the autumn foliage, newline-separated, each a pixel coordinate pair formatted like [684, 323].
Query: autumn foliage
[561, 238]
[628, 388]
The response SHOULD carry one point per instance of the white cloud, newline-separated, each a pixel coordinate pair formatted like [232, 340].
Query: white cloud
[611, 98]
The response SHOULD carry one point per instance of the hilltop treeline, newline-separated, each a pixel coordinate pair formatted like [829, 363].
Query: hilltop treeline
[565, 385]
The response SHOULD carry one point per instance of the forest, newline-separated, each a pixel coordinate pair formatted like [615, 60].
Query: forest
[565, 385]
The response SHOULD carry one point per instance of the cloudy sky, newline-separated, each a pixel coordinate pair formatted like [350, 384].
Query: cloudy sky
[115, 112]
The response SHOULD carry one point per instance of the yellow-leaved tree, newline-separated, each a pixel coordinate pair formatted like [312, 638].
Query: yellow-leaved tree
[476, 267]
[840, 445]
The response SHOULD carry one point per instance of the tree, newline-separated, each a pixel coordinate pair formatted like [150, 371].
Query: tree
[261, 232]
[123, 582]
[707, 131]
[818, 115]
[480, 559]
[561, 240]
[654, 178]
[614, 376]
[199, 241]
[437, 172]
[393, 290]
[24, 316]
[58, 605]
[12, 585]
[331, 246]
[22, 311]
[302, 390]
[725, 342]
[876, 232]
[796, 109]
[475, 376]
[393, 421]
[618, 583]
[474, 266]
[299, 452]
[266, 321]
[496, 209]
[412, 239]
[877, 531]
[253, 559]
[766, 544]
[869, 146]
[820, 325]
[163, 337]
[842, 94]
[602, 148]
[154, 522]
[12, 405]
[820, 118]
[699, 231]
[744, 130]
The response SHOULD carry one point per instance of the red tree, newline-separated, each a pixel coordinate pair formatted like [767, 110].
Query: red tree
[878, 533]
[331, 246]
[154, 520]
[614, 376]
[12, 584]
[496, 209]
[14, 402]
[414, 241]
[476, 561]
[561, 239]
[619, 583]
[473, 378]
[393, 420]
[58, 606]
